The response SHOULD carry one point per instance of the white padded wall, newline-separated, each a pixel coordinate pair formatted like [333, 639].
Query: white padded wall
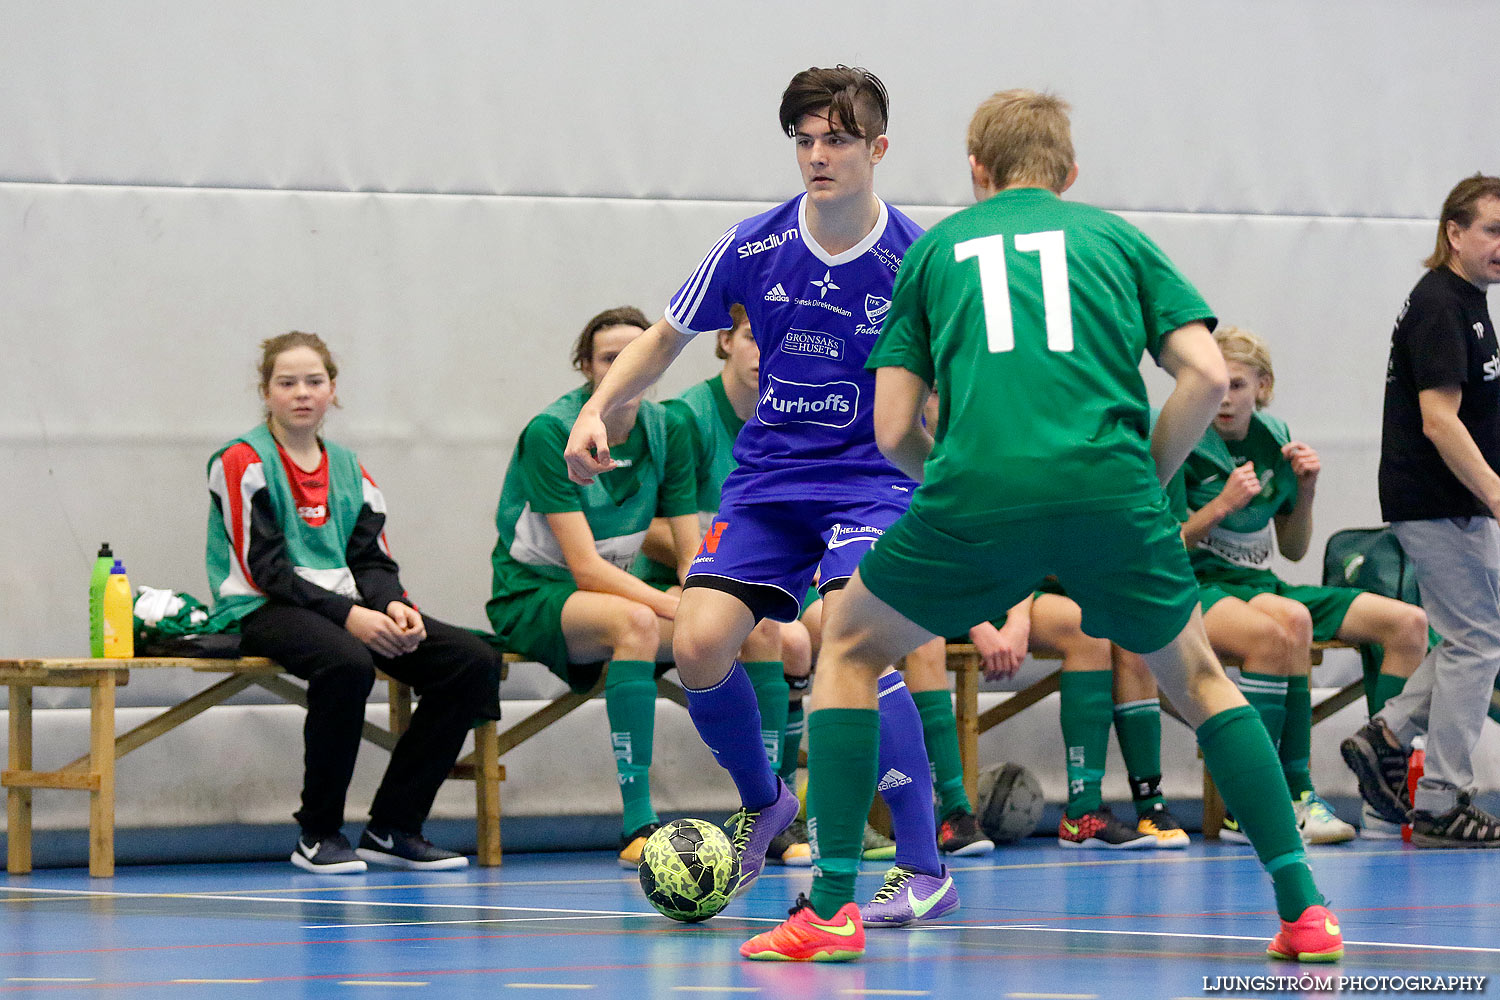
[1336, 107]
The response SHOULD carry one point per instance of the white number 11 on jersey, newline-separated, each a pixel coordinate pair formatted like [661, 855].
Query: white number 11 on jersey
[994, 287]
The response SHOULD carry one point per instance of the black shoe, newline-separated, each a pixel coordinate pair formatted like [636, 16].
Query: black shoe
[327, 855]
[1465, 825]
[1380, 770]
[633, 845]
[790, 847]
[959, 835]
[1099, 828]
[406, 850]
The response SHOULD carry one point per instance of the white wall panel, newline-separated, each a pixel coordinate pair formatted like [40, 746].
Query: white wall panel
[135, 314]
[1337, 107]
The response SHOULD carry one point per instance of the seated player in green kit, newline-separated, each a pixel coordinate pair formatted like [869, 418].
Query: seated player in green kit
[1101, 682]
[1249, 488]
[1032, 314]
[713, 412]
[562, 594]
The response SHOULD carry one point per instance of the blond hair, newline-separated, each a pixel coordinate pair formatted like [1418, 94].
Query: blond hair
[1022, 136]
[1249, 350]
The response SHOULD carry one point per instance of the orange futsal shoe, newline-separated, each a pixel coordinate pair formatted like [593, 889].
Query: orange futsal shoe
[806, 937]
[1312, 937]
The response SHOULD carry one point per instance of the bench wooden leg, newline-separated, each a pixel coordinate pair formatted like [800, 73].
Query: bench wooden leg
[18, 800]
[400, 705]
[102, 763]
[966, 714]
[487, 776]
[1213, 806]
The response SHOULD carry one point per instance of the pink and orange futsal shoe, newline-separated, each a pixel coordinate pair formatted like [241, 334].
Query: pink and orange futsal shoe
[1312, 937]
[806, 937]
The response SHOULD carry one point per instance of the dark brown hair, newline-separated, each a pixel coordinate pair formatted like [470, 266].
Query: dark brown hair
[852, 94]
[736, 317]
[583, 348]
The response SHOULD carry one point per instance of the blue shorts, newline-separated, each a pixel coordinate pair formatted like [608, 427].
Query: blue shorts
[765, 554]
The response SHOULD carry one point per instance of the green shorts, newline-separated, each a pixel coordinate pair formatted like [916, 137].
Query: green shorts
[530, 623]
[1126, 568]
[1210, 594]
[1327, 605]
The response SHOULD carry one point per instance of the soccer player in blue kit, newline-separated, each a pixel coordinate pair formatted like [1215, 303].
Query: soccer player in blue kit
[812, 491]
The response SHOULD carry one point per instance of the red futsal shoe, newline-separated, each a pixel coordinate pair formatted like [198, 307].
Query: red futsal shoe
[806, 937]
[1312, 937]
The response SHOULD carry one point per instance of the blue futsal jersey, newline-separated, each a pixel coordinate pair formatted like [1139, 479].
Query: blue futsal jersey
[815, 317]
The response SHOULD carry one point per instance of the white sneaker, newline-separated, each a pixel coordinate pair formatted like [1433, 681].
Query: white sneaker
[1373, 827]
[1318, 824]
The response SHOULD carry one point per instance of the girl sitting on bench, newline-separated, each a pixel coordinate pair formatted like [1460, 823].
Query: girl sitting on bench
[296, 548]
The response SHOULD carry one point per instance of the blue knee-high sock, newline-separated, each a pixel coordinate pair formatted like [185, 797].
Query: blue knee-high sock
[906, 778]
[728, 719]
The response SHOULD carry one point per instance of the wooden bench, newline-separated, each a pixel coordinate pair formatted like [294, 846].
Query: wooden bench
[964, 664]
[94, 772]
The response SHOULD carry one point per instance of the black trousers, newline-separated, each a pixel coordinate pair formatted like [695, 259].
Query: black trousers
[452, 672]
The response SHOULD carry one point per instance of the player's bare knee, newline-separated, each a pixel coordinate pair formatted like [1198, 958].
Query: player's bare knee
[763, 642]
[636, 635]
[1287, 647]
[1409, 631]
[699, 649]
[1298, 621]
[796, 651]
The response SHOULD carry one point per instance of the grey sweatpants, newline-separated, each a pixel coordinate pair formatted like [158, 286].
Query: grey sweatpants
[1458, 573]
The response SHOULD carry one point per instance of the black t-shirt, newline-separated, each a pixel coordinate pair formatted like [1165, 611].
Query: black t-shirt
[1443, 337]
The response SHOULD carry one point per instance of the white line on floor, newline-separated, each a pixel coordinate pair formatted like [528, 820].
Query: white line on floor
[1200, 937]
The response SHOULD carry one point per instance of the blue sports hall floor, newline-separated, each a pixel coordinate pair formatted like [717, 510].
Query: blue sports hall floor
[1037, 922]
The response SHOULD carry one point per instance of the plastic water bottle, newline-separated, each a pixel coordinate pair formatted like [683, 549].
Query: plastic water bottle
[102, 565]
[119, 614]
[1416, 764]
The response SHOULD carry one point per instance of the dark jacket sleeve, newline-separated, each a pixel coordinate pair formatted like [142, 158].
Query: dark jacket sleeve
[375, 572]
[271, 568]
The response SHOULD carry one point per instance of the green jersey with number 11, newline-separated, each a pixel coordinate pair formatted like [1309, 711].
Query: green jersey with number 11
[1030, 314]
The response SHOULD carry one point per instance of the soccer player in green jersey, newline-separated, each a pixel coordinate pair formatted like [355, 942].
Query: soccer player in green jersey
[1249, 486]
[1031, 314]
[561, 592]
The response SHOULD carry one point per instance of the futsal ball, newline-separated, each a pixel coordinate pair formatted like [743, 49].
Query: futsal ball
[689, 870]
[1010, 802]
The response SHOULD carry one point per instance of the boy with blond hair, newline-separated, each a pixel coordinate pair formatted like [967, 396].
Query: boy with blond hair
[1032, 314]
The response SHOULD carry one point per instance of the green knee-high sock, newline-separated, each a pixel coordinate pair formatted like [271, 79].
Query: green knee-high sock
[768, 678]
[940, 734]
[843, 764]
[1266, 693]
[1138, 728]
[630, 703]
[1387, 686]
[1087, 704]
[791, 743]
[1239, 755]
[1296, 737]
